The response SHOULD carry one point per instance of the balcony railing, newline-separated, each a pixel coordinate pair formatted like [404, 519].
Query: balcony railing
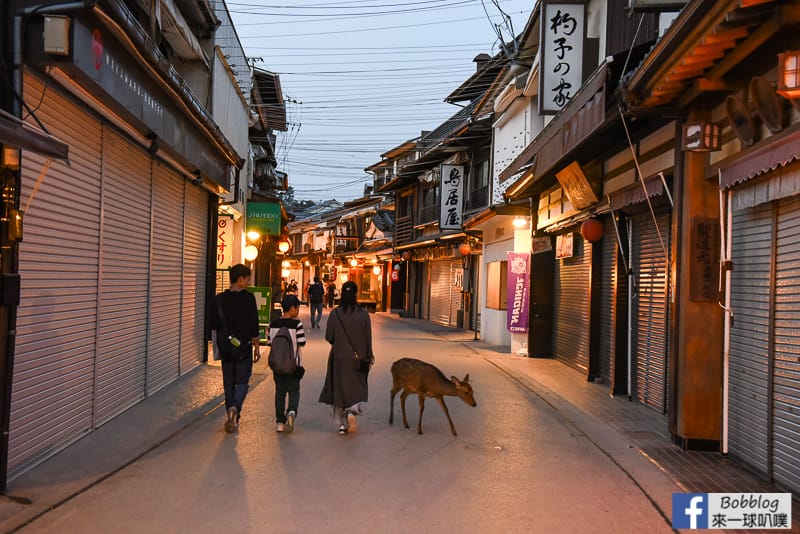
[402, 230]
[479, 198]
[428, 214]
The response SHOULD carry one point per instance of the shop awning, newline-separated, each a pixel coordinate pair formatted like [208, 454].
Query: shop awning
[16, 133]
[767, 157]
[635, 193]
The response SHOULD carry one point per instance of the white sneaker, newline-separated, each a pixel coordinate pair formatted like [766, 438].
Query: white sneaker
[230, 422]
[290, 422]
[352, 425]
[279, 427]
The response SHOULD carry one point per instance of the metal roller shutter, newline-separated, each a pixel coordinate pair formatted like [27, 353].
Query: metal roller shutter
[441, 282]
[651, 310]
[749, 336]
[195, 252]
[124, 278]
[51, 402]
[786, 370]
[607, 287]
[166, 266]
[571, 306]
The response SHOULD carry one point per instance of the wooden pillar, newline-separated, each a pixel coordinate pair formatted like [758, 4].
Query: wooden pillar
[698, 316]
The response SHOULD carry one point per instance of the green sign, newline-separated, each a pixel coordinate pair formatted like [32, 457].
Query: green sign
[264, 218]
[264, 302]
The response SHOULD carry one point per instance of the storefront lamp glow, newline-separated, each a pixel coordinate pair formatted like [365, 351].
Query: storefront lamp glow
[789, 74]
[308, 263]
[520, 222]
[343, 278]
[252, 235]
[284, 246]
[376, 270]
[285, 273]
[286, 264]
[250, 252]
[353, 262]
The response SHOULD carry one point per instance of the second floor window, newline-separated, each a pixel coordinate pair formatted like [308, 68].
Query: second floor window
[429, 196]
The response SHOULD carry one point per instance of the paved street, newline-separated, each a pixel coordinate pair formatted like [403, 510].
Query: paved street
[521, 463]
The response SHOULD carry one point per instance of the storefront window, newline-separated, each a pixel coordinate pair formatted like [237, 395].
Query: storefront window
[496, 285]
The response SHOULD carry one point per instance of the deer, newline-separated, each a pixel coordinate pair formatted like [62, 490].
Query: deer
[415, 376]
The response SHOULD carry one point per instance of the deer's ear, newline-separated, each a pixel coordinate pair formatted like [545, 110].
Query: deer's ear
[466, 378]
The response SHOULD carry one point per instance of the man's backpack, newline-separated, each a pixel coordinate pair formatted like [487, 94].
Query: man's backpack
[315, 292]
[282, 359]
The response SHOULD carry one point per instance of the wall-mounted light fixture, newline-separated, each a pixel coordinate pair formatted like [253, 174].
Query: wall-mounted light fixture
[284, 246]
[376, 270]
[353, 262]
[701, 136]
[520, 221]
[789, 74]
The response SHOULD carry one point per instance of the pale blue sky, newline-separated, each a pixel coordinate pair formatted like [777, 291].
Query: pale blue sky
[362, 76]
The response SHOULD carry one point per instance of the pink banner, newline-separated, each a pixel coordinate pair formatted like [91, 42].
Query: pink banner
[519, 264]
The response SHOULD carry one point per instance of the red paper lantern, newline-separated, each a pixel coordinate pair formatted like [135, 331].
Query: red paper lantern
[592, 230]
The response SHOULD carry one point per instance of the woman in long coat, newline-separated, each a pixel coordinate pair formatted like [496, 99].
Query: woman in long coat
[349, 331]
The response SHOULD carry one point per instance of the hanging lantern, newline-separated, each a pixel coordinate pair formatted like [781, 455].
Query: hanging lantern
[284, 246]
[464, 249]
[592, 230]
[250, 252]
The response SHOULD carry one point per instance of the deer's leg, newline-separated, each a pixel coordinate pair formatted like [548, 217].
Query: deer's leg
[391, 405]
[440, 400]
[421, 409]
[403, 396]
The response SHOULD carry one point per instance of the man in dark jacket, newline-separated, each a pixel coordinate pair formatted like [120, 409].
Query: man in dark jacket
[316, 294]
[235, 320]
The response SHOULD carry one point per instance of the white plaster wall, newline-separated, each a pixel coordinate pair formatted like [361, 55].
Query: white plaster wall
[498, 238]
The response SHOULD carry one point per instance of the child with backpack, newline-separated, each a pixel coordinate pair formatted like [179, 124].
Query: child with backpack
[285, 337]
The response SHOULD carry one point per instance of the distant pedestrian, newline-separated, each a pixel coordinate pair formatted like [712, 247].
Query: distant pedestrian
[349, 331]
[235, 326]
[288, 384]
[292, 287]
[316, 294]
[331, 294]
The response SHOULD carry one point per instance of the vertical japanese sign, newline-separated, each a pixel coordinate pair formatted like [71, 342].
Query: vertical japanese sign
[518, 291]
[452, 194]
[561, 71]
[224, 242]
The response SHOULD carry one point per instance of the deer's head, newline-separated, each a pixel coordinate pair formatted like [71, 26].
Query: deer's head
[464, 390]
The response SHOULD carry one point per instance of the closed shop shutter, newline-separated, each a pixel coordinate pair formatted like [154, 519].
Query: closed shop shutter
[607, 288]
[786, 370]
[195, 253]
[571, 306]
[124, 277]
[51, 403]
[441, 282]
[749, 336]
[650, 310]
[166, 269]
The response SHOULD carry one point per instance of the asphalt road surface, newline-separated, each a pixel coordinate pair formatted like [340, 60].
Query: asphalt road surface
[519, 463]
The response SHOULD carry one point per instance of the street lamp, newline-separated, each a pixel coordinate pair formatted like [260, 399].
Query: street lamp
[284, 246]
